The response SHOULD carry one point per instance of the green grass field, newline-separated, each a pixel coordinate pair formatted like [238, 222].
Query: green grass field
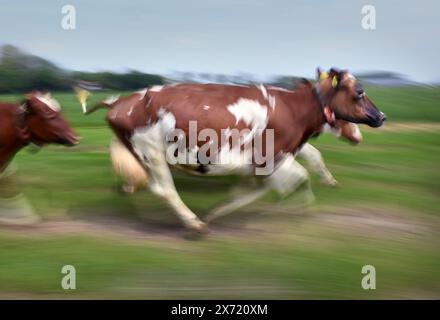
[385, 213]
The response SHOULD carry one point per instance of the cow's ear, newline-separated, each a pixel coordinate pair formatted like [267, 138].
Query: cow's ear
[336, 77]
[30, 102]
[25, 106]
[29, 96]
[27, 102]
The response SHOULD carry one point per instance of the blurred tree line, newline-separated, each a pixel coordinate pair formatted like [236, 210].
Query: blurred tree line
[22, 72]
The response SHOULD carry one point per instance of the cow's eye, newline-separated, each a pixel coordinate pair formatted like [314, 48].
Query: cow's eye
[359, 91]
[359, 94]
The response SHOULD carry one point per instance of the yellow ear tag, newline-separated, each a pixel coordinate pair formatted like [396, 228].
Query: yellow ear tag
[323, 76]
[334, 82]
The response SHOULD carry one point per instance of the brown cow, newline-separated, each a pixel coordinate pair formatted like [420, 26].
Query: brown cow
[36, 120]
[156, 126]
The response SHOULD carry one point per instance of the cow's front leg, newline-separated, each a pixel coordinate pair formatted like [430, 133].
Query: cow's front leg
[162, 185]
[242, 196]
[14, 207]
[315, 163]
[285, 179]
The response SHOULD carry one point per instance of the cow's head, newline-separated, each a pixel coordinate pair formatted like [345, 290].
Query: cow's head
[45, 121]
[343, 96]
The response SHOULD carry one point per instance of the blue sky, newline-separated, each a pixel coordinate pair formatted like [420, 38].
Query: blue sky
[229, 36]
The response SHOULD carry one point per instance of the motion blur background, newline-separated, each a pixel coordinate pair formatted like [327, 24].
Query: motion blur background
[385, 212]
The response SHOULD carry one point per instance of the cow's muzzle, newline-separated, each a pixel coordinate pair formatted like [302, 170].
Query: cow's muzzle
[377, 120]
[69, 140]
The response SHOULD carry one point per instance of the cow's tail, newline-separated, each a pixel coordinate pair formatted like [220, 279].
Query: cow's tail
[107, 103]
[99, 105]
[82, 96]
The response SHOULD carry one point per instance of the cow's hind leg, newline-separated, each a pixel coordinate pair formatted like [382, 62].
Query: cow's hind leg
[162, 185]
[127, 167]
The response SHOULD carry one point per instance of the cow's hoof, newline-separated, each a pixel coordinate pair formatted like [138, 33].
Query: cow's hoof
[16, 211]
[197, 226]
[129, 189]
[197, 233]
[330, 183]
[21, 221]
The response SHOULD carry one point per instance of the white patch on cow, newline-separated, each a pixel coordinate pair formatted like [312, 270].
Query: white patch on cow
[151, 138]
[156, 88]
[142, 93]
[263, 91]
[131, 110]
[162, 112]
[206, 108]
[280, 89]
[49, 101]
[250, 112]
[238, 85]
[148, 103]
[272, 102]
[350, 76]
[269, 98]
[111, 99]
[225, 162]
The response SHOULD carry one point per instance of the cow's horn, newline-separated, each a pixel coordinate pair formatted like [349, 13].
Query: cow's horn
[82, 96]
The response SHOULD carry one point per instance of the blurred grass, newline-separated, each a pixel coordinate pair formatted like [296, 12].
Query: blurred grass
[392, 173]
[410, 103]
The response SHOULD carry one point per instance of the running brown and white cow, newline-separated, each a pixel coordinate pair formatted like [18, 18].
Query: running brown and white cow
[158, 126]
[134, 177]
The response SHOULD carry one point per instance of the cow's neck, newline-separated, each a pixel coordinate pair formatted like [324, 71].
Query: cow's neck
[311, 117]
[6, 155]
